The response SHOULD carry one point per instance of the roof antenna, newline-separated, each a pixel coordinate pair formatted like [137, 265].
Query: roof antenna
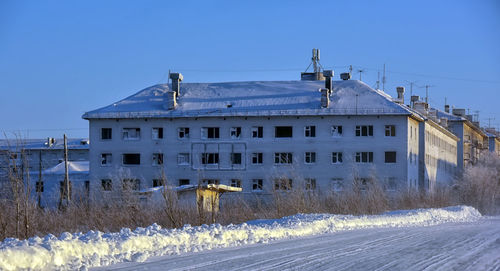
[383, 80]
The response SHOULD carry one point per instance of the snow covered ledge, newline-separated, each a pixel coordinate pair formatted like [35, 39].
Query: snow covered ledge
[80, 251]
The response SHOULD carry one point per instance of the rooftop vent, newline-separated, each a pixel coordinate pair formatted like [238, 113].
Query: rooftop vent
[401, 95]
[345, 76]
[176, 82]
[328, 74]
[447, 108]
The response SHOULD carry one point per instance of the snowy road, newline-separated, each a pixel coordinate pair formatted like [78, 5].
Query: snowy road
[450, 246]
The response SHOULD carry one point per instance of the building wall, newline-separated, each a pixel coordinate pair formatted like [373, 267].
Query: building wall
[323, 170]
[413, 153]
[50, 195]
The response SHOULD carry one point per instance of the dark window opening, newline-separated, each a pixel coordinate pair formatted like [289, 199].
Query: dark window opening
[105, 133]
[283, 131]
[390, 157]
[132, 159]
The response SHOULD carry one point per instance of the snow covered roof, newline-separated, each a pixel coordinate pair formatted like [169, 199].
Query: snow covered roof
[255, 98]
[81, 167]
[42, 144]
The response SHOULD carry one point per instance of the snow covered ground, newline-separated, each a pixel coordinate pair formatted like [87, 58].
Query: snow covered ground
[80, 251]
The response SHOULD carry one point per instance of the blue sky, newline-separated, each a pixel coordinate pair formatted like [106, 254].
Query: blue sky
[59, 59]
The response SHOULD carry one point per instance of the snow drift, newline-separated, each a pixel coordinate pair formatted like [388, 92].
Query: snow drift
[83, 250]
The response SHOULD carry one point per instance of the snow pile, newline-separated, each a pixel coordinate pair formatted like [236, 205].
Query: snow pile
[80, 251]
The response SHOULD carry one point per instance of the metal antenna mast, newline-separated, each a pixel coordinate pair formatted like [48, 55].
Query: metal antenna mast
[378, 79]
[383, 80]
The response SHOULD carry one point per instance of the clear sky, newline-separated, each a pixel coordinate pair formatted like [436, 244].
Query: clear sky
[59, 59]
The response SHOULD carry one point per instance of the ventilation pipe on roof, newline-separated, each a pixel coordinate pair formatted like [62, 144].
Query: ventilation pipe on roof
[414, 99]
[447, 108]
[328, 74]
[176, 82]
[325, 97]
[401, 95]
[171, 100]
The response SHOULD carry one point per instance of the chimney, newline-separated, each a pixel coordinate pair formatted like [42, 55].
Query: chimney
[459, 112]
[447, 108]
[171, 100]
[414, 99]
[325, 97]
[176, 82]
[401, 95]
[328, 74]
[444, 122]
[345, 76]
[421, 107]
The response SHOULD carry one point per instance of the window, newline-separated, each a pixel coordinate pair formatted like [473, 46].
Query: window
[310, 131]
[157, 159]
[157, 133]
[106, 133]
[183, 159]
[390, 130]
[390, 157]
[183, 182]
[235, 132]
[39, 187]
[310, 157]
[390, 184]
[283, 131]
[183, 132]
[235, 183]
[131, 158]
[336, 131]
[106, 159]
[310, 184]
[365, 130]
[256, 158]
[131, 133]
[209, 158]
[283, 158]
[158, 182]
[364, 157]
[337, 184]
[131, 184]
[236, 158]
[257, 132]
[211, 181]
[336, 157]
[257, 184]
[362, 183]
[209, 132]
[106, 184]
[283, 184]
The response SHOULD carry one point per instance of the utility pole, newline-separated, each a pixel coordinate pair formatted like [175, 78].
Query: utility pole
[378, 79]
[383, 80]
[66, 174]
[427, 93]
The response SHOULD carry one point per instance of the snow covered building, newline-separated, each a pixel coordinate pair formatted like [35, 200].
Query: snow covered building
[493, 140]
[257, 135]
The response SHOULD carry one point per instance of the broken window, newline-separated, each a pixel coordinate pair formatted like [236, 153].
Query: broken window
[236, 158]
[183, 182]
[157, 133]
[235, 132]
[106, 133]
[336, 157]
[131, 184]
[211, 181]
[257, 184]
[158, 182]
[337, 184]
[106, 159]
[364, 157]
[209, 158]
[183, 159]
[336, 131]
[390, 130]
[183, 132]
[209, 132]
[157, 159]
[283, 158]
[310, 184]
[310, 157]
[390, 157]
[131, 158]
[283, 184]
[131, 133]
[256, 158]
[283, 131]
[310, 131]
[364, 130]
[257, 132]
[106, 184]
[39, 187]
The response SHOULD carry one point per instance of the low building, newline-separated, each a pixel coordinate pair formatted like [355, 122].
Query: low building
[493, 140]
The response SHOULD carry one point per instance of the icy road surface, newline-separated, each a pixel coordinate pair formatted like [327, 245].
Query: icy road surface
[449, 246]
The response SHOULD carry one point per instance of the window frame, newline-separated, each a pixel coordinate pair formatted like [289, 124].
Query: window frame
[338, 157]
[283, 158]
[257, 185]
[336, 131]
[235, 132]
[311, 156]
[158, 133]
[257, 132]
[361, 156]
[309, 131]
[106, 159]
[257, 158]
[390, 130]
[109, 132]
[364, 130]
[157, 159]
[126, 131]
[183, 133]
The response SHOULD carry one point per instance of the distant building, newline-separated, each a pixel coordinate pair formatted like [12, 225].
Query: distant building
[493, 140]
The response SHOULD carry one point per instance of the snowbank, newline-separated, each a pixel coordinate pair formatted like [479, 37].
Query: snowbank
[80, 251]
